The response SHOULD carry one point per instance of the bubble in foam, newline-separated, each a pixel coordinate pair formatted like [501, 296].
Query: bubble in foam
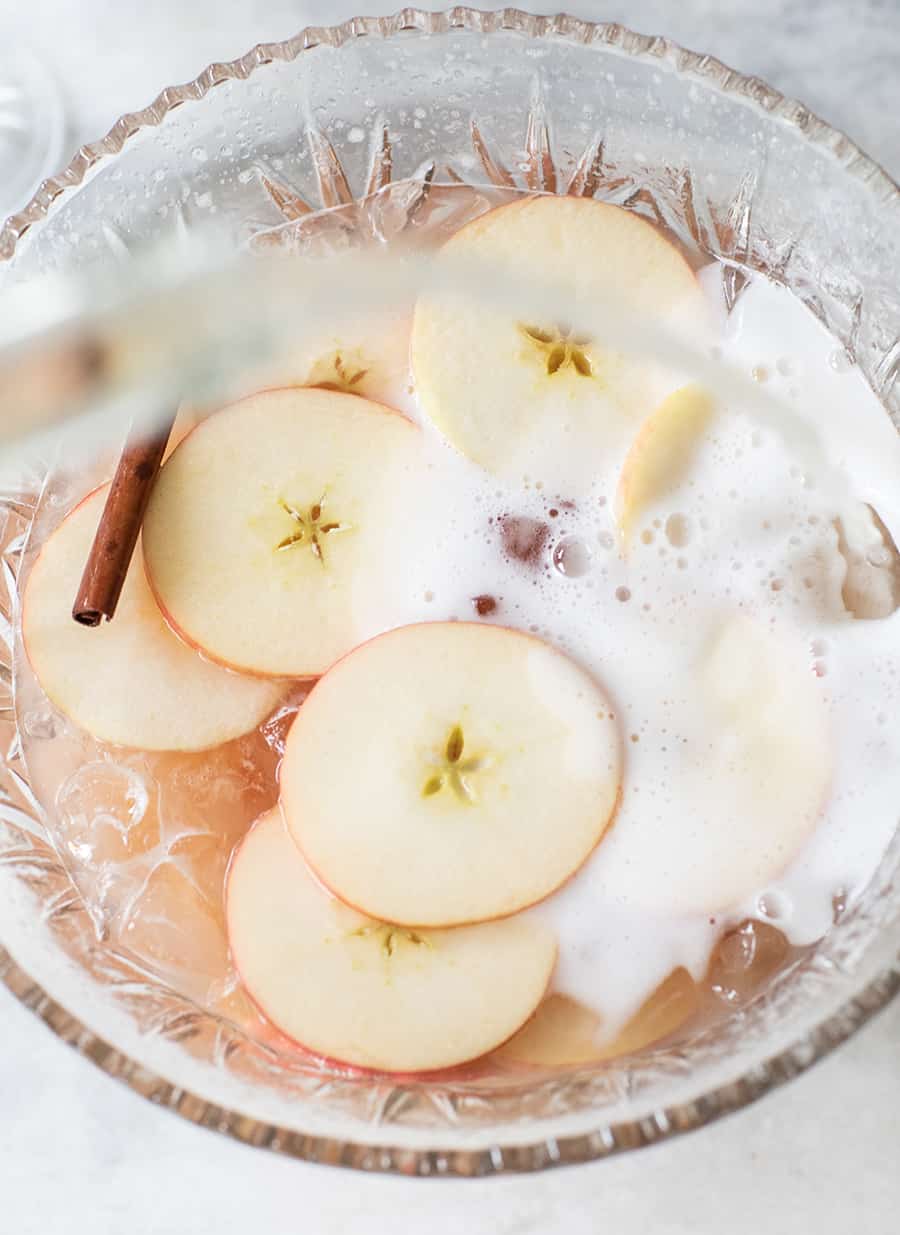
[678, 530]
[572, 557]
[623, 594]
[774, 907]
[840, 361]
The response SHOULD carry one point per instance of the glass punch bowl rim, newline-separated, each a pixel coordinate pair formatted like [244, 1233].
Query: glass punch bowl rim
[606, 1138]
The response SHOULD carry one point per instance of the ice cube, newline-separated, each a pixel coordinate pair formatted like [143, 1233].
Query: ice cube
[172, 927]
[275, 730]
[219, 791]
[102, 812]
[745, 959]
[871, 586]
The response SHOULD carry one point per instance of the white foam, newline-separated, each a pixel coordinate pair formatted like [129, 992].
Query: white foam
[750, 531]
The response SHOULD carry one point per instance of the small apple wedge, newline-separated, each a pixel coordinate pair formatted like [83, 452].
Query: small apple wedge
[268, 531]
[661, 454]
[363, 992]
[129, 681]
[506, 390]
[563, 1032]
[450, 772]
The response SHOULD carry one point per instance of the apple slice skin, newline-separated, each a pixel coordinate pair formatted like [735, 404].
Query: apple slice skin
[357, 782]
[129, 682]
[323, 976]
[264, 609]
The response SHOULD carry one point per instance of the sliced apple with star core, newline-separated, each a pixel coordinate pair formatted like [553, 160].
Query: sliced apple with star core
[450, 772]
[129, 681]
[363, 354]
[513, 389]
[269, 532]
[367, 993]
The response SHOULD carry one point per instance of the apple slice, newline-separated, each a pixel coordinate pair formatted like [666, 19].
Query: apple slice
[450, 772]
[130, 681]
[774, 748]
[361, 354]
[268, 532]
[186, 420]
[746, 784]
[563, 1032]
[366, 993]
[509, 390]
[661, 454]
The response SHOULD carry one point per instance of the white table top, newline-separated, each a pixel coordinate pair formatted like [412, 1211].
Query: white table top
[79, 1153]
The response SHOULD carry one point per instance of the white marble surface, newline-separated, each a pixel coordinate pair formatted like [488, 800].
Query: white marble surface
[78, 1153]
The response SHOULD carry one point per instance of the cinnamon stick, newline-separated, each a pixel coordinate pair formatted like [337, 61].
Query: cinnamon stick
[120, 525]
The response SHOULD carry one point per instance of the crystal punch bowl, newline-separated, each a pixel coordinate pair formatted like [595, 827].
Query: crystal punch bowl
[504, 100]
